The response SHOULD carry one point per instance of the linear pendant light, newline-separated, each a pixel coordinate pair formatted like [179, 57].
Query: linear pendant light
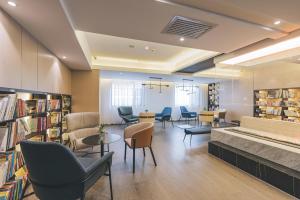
[269, 50]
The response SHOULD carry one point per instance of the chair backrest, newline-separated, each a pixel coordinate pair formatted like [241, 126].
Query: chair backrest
[82, 120]
[141, 132]
[125, 110]
[183, 109]
[206, 116]
[167, 111]
[51, 164]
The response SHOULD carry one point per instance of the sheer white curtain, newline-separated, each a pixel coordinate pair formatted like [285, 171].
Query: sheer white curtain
[115, 93]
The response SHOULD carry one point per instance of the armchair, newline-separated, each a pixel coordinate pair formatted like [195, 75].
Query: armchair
[186, 114]
[55, 173]
[125, 112]
[139, 136]
[80, 126]
[165, 115]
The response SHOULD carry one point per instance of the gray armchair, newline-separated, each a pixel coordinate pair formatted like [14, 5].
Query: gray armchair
[55, 173]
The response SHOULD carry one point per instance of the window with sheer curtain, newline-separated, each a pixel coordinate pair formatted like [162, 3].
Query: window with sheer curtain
[187, 97]
[126, 94]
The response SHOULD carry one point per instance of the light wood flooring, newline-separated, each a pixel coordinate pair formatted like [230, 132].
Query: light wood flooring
[184, 172]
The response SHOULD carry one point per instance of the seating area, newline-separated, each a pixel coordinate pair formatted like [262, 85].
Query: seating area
[149, 100]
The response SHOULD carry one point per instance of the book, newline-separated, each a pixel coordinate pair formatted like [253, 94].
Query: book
[53, 104]
[7, 107]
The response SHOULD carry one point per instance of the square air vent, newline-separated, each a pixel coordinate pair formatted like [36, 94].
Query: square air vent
[186, 27]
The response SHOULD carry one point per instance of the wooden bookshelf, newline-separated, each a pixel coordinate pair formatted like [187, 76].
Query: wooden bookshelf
[281, 104]
[26, 117]
[213, 96]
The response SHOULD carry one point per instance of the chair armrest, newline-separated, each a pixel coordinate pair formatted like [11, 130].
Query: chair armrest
[100, 164]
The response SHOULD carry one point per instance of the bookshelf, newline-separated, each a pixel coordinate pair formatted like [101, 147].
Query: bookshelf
[213, 96]
[281, 104]
[25, 115]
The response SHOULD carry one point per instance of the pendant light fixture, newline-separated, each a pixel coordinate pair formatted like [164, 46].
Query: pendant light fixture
[155, 84]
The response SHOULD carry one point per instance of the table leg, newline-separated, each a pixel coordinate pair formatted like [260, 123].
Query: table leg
[102, 148]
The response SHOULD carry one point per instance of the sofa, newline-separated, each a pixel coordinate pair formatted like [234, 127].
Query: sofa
[81, 125]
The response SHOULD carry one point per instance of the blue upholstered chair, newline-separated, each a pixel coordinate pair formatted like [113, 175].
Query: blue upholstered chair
[125, 112]
[55, 172]
[165, 115]
[186, 114]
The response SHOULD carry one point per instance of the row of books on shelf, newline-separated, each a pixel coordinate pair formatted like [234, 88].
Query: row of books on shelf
[7, 107]
[27, 107]
[279, 93]
[13, 175]
[10, 163]
[291, 113]
[11, 134]
[289, 103]
[273, 111]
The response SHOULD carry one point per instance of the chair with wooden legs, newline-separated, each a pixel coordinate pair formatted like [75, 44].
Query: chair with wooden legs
[139, 136]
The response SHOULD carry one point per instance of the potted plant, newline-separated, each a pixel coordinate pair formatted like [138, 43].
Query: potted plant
[101, 132]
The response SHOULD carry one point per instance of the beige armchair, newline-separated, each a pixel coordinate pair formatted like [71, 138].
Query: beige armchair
[139, 136]
[80, 126]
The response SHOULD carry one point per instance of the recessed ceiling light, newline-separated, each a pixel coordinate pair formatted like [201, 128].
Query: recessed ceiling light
[11, 3]
[181, 39]
[277, 22]
[146, 48]
[64, 57]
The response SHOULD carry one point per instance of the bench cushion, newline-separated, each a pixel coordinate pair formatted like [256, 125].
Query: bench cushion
[198, 130]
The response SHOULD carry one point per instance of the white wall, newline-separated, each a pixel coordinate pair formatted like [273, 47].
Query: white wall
[153, 101]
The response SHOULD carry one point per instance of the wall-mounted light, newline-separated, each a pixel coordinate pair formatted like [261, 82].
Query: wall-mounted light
[181, 39]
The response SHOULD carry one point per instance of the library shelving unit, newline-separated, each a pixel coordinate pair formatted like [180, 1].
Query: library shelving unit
[66, 109]
[24, 115]
[54, 117]
[213, 96]
[281, 104]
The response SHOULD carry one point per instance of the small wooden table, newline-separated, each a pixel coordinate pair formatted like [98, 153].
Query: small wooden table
[147, 117]
[94, 140]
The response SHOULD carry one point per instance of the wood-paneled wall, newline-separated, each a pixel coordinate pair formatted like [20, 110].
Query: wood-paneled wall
[27, 64]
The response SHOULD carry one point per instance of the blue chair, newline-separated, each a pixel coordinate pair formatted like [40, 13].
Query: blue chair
[165, 115]
[187, 115]
[55, 172]
[125, 112]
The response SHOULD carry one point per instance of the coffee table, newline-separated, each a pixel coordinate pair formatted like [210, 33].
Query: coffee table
[94, 140]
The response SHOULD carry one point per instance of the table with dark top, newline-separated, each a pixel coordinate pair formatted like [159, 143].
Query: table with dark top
[94, 140]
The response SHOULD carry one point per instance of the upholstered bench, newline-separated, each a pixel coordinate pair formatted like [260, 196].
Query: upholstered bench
[196, 131]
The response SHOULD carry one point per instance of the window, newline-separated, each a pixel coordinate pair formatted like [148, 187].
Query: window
[126, 93]
[186, 97]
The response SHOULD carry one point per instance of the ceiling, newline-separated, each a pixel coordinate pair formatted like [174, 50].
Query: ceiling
[110, 51]
[98, 33]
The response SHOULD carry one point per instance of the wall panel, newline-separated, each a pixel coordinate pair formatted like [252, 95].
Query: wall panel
[10, 52]
[29, 62]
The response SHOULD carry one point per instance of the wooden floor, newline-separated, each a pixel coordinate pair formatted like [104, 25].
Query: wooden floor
[184, 172]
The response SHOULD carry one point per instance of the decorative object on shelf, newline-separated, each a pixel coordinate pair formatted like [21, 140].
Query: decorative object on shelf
[101, 132]
[155, 84]
[213, 96]
[188, 86]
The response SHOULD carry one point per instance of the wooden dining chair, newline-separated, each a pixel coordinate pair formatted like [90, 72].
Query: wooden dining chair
[139, 136]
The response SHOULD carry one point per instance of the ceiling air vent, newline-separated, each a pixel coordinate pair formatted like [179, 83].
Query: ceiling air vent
[186, 27]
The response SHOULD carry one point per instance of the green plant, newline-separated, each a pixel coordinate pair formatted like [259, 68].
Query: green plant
[101, 128]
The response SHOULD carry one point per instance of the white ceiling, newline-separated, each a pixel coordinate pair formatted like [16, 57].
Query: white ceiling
[80, 29]
[110, 51]
[145, 20]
